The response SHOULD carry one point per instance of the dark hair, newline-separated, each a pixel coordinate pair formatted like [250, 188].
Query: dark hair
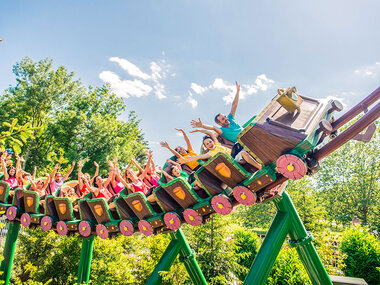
[216, 118]
[94, 183]
[206, 137]
[171, 169]
[9, 168]
[176, 149]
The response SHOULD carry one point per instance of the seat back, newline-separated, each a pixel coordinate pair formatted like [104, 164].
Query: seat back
[50, 209]
[100, 210]
[139, 205]
[181, 192]
[4, 191]
[64, 208]
[226, 169]
[31, 202]
[211, 184]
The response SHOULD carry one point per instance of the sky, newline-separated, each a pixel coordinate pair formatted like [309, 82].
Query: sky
[174, 61]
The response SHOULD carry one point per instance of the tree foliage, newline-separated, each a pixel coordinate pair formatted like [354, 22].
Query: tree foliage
[69, 121]
[349, 182]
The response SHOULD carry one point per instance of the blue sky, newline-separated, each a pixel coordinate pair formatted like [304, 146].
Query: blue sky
[173, 61]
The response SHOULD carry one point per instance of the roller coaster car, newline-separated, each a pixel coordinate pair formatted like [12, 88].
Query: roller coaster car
[288, 128]
[4, 194]
[107, 220]
[25, 208]
[181, 202]
[135, 207]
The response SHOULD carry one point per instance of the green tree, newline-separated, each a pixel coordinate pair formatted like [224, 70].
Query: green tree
[308, 203]
[215, 249]
[362, 255]
[70, 121]
[247, 245]
[349, 182]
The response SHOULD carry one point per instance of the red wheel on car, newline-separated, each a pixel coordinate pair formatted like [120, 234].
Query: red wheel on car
[172, 221]
[291, 166]
[126, 228]
[244, 196]
[221, 204]
[46, 223]
[192, 217]
[145, 227]
[11, 213]
[25, 220]
[84, 228]
[62, 228]
[101, 231]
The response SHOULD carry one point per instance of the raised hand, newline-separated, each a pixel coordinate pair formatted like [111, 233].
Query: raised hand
[196, 124]
[237, 87]
[195, 131]
[164, 144]
[56, 167]
[180, 130]
[96, 165]
[80, 164]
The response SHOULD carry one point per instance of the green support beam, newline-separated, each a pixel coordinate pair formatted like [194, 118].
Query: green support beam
[302, 241]
[85, 260]
[178, 245]
[9, 251]
[287, 222]
[274, 239]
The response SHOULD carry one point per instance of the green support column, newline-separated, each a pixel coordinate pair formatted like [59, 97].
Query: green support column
[302, 240]
[165, 262]
[178, 245]
[187, 256]
[85, 260]
[9, 251]
[274, 239]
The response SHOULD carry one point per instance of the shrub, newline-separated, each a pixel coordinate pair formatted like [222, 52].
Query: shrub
[362, 255]
[247, 245]
[288, 269]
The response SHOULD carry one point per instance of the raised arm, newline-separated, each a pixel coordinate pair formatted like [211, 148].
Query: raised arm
[143, 174]
[34, 172]
[56, 167]
[236, 100]
[96, 172]
[174, 163]
[69, 172]
[166, 145]
[199, 124]
[133, 160]
[187, 140]
[127, 185]
[110, 175]
[86, 182]
[167, 175]
[202, 156]
[46, 182]
[80, 182]
[211, 134]
[3, 165]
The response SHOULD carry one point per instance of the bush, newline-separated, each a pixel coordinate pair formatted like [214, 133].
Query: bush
[247, 246]
[362, 255]
[288, 269]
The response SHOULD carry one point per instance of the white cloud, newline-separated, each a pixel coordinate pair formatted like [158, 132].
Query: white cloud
[369, 70]
[198, 89]
[130, 68]
[136, 87]
[159, 72]
[190, 99]
[261, 83]
[125, 88]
